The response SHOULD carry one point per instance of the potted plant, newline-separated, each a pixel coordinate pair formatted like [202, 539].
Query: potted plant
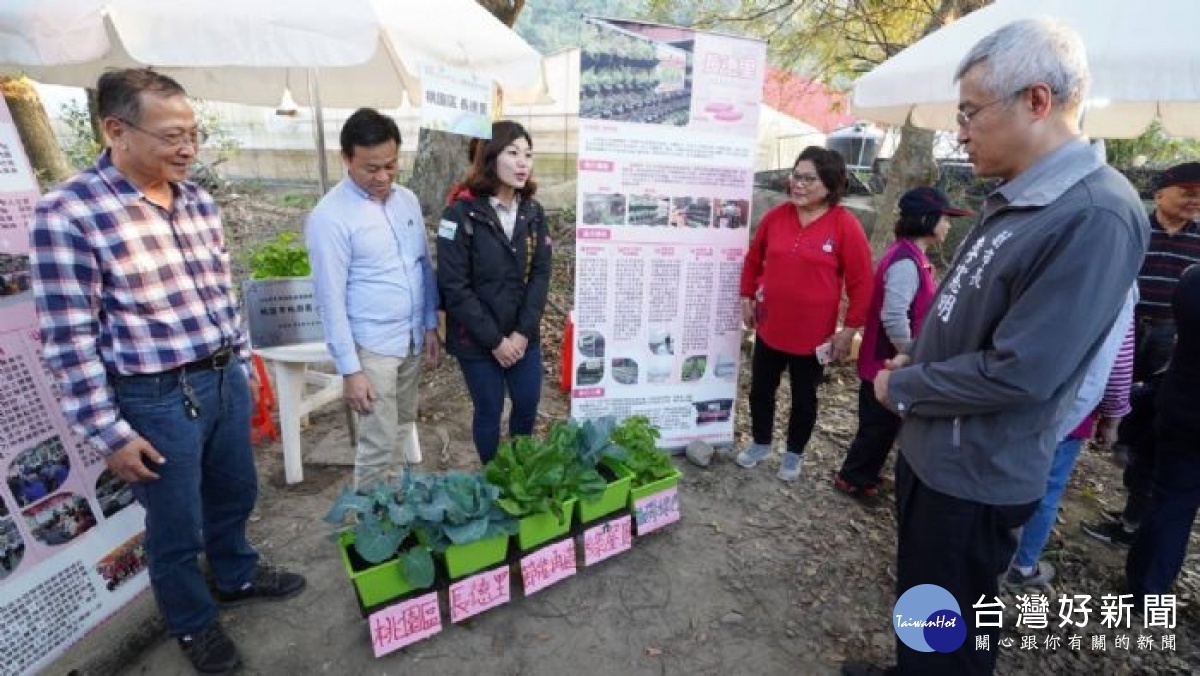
[539, 484]
[457, 516]
[595, 449]
[380, 553]
[652, 469]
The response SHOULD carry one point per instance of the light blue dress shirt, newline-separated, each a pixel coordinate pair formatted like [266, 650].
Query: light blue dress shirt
[374, 280]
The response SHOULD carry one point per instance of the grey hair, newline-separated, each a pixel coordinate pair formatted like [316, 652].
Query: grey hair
[118, 92]
[1029, 51]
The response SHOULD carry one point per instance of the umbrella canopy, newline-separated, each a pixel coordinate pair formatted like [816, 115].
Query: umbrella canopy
[1136, 77]
[250, 51]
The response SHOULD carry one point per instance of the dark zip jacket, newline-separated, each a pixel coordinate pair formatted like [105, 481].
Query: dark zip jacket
[491, 286]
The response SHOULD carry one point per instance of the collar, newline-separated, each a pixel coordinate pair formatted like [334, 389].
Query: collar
[1051, 176]
[353, 188]
[499, 206]
[128, 193]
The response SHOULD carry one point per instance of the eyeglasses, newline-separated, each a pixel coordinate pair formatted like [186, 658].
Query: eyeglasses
[175, 140]
[805, 179]
[964, 117]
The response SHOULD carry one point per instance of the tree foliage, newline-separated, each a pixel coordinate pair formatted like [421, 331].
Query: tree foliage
[1153, 148]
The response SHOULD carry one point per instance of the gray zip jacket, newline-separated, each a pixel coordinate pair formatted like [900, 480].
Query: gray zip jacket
[1032, 293]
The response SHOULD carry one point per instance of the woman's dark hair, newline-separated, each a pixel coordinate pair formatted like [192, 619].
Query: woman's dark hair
[831, 169]
[913, 226]
[482, 180]
[367, 128]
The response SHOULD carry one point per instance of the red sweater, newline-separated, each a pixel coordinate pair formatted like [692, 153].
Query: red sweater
[800, 272]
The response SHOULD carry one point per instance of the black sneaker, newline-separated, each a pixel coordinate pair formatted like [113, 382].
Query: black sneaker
[210, 651]
[270, 583]
[1112, 532]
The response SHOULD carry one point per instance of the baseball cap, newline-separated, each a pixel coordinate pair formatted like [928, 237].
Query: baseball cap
[1186, 174]
[925, 201]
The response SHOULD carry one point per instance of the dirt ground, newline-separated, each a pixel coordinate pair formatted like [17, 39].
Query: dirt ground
[759, 577]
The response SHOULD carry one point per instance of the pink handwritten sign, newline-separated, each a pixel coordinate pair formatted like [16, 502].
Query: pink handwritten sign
[657, 510]
[607, 540]
[475, 594]
[404, 624]
[548, 565]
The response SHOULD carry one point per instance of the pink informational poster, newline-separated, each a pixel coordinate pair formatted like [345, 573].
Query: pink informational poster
[667, 133]
[70, 532]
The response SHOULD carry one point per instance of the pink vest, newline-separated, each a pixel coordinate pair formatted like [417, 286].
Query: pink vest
[876, 348]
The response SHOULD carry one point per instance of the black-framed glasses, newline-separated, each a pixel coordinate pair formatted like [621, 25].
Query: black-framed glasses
[176, 139]
[804, 179]
[964, 117]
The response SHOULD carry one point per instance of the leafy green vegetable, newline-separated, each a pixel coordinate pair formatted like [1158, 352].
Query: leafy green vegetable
[536, 477]
[593, 441]
[639, 438]
[280, 257]
[455, 508]
[381, 523]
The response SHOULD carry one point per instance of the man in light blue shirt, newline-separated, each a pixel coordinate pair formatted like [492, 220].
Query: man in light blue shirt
[376, 291]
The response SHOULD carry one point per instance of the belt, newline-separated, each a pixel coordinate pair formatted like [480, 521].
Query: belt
[215, 361]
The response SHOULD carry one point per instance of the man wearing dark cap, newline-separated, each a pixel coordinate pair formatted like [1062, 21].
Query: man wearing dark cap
[1174, 245]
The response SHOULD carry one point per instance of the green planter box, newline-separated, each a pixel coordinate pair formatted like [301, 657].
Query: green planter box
[614, 497]
[377, 583]
[535, 529]
[638, 492]
[462, 560]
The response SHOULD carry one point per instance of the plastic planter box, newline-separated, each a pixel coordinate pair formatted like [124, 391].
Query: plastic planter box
[614, 497]
[376, 583]
[462, 560]
[638, 492]
[536, 529]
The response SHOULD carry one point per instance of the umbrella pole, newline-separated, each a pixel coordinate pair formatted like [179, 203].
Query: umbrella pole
[314, 95]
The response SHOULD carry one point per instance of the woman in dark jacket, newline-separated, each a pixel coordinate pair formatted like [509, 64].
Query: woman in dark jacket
[493, 270]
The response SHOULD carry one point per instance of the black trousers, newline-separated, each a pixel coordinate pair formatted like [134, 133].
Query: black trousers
[1158, 553]
[877, 430]
[766, 370]
[961, 546]
[1137, 433]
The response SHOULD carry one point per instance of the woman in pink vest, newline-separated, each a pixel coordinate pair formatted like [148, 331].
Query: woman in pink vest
[904, 288]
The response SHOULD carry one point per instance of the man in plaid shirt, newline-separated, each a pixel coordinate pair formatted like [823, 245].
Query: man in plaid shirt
[141, 329]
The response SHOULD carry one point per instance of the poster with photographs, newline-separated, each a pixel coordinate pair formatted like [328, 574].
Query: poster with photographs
[669, 118]
[70, 531]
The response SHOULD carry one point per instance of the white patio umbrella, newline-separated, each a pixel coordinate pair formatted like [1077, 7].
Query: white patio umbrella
[1136, 76]
[367, 52]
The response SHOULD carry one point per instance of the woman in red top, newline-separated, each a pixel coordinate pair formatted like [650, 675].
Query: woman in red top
[805, 252]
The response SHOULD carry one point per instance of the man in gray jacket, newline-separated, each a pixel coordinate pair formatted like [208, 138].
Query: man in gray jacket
[1032, 292]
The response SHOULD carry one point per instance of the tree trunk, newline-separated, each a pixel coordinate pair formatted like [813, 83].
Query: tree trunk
[94, 116]
[442, 157]
[441, 160]
[33, 126]
[912, 164]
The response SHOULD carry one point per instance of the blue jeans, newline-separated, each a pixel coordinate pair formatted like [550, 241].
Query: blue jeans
[205, 490]
[1037, 529]
[1160, 547]
[487, 382]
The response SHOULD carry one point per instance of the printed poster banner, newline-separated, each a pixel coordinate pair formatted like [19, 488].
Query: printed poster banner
[456, 101]
[70, 532]
[667, 131]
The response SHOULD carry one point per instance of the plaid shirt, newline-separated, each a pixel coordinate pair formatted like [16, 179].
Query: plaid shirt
[126, 287]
